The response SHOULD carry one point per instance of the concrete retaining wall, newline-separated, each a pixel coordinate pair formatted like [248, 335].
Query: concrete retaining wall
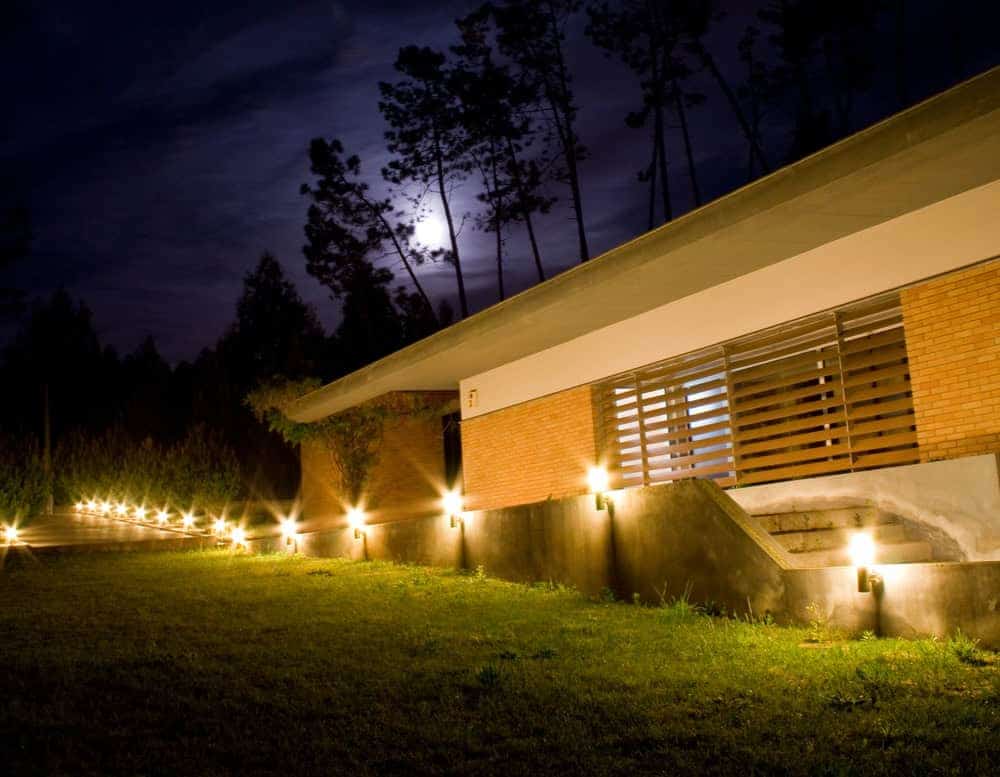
[959, 497]
[670, 540]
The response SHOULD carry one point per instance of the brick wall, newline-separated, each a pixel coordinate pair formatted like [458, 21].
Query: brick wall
[529, 452]
[953, 341]
[406, 482]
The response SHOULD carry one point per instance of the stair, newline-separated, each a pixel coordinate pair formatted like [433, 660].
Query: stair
[820, 538]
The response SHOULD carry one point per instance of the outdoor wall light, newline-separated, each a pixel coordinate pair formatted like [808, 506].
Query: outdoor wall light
[862, 551]
[288, 530]
[187, 520]
[91, 506]
[140, 513]
[219, 526]
[10, 534]
[162, 516]
[598, 481]
[78, 507]
[105, 508]
[356, 520]
[239, 537]
[452, 504]
[122, 509]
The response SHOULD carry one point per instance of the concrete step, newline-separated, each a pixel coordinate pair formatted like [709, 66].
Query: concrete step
[831, 539]
[897, 553]
[838, 518]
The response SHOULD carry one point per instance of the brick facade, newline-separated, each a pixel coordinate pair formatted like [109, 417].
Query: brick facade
[953, 341]
[407, 480]
[529, 452]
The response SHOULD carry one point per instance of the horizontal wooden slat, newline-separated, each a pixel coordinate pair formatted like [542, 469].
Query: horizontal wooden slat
[880, 408]
[677, 449]
[829, 387]
[884, 390]
[748, 463]
[874, 376]
[795, 363]
[663, 477]
[871, 342]
[791, 411]
[778, 443]
[792, 425]
[887, 354]
[861, 428]
[785, 380]
[905, 456]
[798, 471]
[897, 440]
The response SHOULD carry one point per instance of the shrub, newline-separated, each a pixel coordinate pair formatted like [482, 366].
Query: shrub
[22, 479]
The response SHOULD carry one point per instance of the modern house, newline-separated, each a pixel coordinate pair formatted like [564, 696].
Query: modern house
[834, 323]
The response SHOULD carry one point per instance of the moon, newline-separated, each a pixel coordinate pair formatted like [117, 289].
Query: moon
[430, 231]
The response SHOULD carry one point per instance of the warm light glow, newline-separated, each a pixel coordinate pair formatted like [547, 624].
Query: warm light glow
[288, 526]
[162, 516]
[356, 518]
[219, 526]
[78, 507]
[105, 508]
[140, 513]
[597, 480]
[239, 536]
[187, 521]
[862, 550]
[452, 503]
[91, 506]
[122, 509]
[10, 534]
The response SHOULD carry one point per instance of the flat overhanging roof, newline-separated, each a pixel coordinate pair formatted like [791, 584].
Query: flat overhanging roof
[941, 147]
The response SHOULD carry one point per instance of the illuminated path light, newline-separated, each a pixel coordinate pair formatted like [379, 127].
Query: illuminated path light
[162, 516]
[219, 526]
[239, 537]
[10, 534]
[122, 509]
[187, 521]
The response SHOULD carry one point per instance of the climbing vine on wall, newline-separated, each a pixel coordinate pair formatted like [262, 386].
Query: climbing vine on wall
[352, 438]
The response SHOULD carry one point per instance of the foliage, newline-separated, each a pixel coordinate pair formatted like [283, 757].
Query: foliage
[427, 138]
[22, 479]
[199, 470]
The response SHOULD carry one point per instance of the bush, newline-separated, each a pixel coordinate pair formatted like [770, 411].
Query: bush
[198, 471]
[22, 479]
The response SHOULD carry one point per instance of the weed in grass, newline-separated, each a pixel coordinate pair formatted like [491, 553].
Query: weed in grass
[320, 573]
[878, 679]
[489, 677]
[868, 636]
[967, 650]
[544, 654]
[607, 595]
[818, 623]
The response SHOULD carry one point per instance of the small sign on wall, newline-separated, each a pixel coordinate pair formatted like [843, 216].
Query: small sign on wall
[472, 398]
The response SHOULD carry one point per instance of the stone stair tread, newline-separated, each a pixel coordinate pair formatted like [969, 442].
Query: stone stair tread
[837, 518]
[829, 539]
[893, 553]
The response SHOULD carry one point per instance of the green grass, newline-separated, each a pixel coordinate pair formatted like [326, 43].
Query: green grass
[208, 663]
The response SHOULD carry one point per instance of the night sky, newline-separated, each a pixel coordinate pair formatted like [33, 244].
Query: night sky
[161, 147]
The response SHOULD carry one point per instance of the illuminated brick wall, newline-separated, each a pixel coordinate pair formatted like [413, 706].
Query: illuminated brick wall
[406, 482]
[953, 341]
[529, 452]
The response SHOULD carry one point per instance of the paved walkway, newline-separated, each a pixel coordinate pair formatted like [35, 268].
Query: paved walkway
[64, 532]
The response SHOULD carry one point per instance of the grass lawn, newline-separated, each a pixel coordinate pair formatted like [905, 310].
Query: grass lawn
[209, 663]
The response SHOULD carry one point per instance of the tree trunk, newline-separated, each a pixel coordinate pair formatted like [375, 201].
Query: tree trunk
[734, 104]
[47, 449]
[407, 265]
[525, 210]
[568, 138]
[462, 302]
[659, 129]
[682, 115]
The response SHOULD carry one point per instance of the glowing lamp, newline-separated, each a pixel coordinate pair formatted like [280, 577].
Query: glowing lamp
[862, 552]
[162, 516]
[140, 513]
[598, 481]
[10, 534]
[356, 520]
[452, 504]
[78, 507]
[122, 509]
[91, 506]
[105, 508]
[288, 527]
[239, 537]
[187, 520]
[219, 526]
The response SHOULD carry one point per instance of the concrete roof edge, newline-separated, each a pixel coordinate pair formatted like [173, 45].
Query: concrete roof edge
[934, 116]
